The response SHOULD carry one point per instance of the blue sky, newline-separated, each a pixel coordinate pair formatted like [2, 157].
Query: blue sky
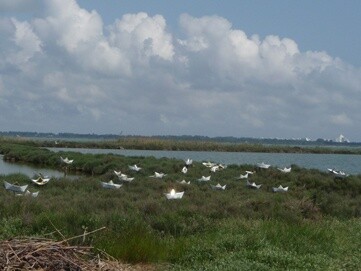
[286, 69]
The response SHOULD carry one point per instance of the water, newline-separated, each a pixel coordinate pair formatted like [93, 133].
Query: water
[351, 164]
[10, 168]
[348, 163]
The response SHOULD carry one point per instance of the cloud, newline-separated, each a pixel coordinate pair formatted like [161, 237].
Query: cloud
[143, 34]
[341, 119]
[228, 53]
[26, 40]
[67, 71]
[78, 34]
[19, 45]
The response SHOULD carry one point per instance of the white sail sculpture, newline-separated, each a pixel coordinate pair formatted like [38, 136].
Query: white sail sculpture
[219, 187]
[280, 189]
[285, 169]
[127, 179]
[263, 165]
[117, 172]
[135, 168]
[31, 194]
[245, 176]
[253, 185]
[15, 188]
[174, 195]
[185, 182]
[66, 160]
[40, 180]
[204, 179]
[158, 175]
[111, 185]
[209, 164]
[215, 168]
[27, 193]
[337, 173]
[123, 177]
[120, 175]
[189, 162]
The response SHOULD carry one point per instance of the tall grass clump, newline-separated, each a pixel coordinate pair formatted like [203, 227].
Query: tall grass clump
[135, 242]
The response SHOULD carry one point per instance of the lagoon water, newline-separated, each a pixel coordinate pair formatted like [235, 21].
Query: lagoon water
[351, 164]
[348, 163]
[10, 168]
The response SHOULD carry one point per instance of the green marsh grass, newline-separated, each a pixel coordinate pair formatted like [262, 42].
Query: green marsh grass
[315, 226]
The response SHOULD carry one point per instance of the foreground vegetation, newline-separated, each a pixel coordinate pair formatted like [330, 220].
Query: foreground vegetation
[315, 226]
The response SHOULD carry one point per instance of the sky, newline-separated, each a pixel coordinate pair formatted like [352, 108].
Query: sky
[252, 68]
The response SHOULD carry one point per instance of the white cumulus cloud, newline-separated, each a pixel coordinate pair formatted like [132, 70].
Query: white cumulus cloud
[143, 36]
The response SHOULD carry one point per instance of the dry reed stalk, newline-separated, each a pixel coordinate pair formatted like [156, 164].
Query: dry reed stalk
[50, 255]
[44, 254]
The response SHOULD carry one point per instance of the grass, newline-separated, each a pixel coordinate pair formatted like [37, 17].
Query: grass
[274, 245]
[315, 226]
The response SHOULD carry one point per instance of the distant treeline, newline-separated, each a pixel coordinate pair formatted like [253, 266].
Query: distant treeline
[195, 138]
[56, 136]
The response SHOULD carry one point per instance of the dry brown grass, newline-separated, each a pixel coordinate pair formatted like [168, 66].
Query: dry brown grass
[43, 254]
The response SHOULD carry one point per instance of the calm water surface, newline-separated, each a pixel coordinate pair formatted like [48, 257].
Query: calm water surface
[10, 168]
[346, 162]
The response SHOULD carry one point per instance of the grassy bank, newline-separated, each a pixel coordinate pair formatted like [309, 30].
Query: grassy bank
[315, 226]
[149, 143]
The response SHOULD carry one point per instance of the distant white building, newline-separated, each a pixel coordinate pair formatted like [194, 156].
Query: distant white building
[342, 139]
